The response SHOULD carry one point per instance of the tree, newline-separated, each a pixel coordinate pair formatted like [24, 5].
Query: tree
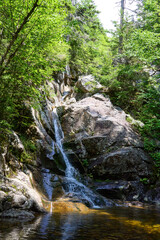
[89, 46]
[139, 58]
[32, 45]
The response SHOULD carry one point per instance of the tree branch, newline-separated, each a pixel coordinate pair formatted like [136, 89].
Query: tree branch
[16, 34]
[134, 11]
[15, 51]
[11, 56]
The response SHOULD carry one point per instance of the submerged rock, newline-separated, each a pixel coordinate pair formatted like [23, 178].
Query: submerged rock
[66, 205]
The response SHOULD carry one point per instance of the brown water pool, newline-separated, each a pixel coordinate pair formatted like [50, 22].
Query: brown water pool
[119, 223]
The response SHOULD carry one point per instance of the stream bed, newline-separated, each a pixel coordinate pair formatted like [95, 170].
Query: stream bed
[116, 223]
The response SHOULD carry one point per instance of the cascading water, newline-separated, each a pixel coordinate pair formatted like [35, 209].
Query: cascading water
[72, 185]
[71, 182]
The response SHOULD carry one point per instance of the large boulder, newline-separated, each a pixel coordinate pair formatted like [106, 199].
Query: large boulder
[125, 163]
[121, 190]
[128, 191]
[99, 134]
[18, 193]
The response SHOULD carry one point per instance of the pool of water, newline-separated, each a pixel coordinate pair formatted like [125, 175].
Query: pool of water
[118, 223]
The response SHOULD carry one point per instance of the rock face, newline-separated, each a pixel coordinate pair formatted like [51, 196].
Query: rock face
[17, 196]
[88, 84]
[11, 148]
[43, 133]
[99, 134]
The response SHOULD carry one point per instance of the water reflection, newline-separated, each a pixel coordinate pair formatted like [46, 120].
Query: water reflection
[113, 224]
[69, 227]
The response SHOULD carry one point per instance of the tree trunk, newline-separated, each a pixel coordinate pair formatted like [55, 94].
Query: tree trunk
[121, 26]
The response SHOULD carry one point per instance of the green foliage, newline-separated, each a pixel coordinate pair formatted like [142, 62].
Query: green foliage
[151, 147]
[77, 90]
[149, 144]
[29, 145]
[144, 45]
[85, 162]
[144, 181]
[100, 180]
[4, 128]
[152, 128]
[156, 157]
[31, 48]
[30, 152]
[127, 85]
[90, 175]
[26, 158]
[89, 46]
[129, 119]
[135, 86]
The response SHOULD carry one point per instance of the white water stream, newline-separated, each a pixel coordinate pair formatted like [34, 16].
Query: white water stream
[73, 186]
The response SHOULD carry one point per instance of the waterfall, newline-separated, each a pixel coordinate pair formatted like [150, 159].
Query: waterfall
[70, 172]
[72, 183]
